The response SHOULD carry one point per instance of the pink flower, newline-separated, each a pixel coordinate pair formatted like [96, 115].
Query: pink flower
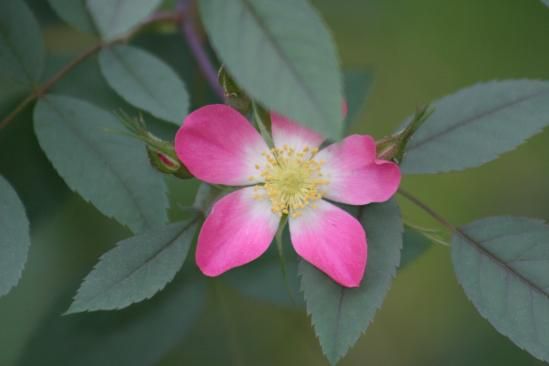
[219, 146]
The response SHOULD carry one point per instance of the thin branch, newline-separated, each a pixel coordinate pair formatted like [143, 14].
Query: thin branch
[474, 243]
[41, 90]
[410, 197]
[20, 107]
[188, 29]
[438, 217]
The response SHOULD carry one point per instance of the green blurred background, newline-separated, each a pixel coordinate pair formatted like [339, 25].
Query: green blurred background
[418, 51]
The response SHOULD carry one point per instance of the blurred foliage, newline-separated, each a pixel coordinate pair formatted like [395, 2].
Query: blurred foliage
[418, 51]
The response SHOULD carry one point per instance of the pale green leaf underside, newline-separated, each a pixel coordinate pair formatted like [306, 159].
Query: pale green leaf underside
[477, 124]
[145, 81]
[546, 2]
[282, 54]
[14, 237]
[75, 13]
[136, 269]
[340, 315]
[21, 48]
[503, 265]
[116, 17]
[111, 171]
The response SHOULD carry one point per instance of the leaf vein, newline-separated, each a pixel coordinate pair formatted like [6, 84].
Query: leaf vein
[415, 144]
[283, 56]
[494, 258]
[105, 162]
[143, 264]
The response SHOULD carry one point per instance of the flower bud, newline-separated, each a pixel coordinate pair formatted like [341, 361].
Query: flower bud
[394, 147]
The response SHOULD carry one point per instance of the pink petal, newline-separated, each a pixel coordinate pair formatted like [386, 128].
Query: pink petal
[355, 176]
[331, 240]
[219, 146]
[287, 132]
[238, 230]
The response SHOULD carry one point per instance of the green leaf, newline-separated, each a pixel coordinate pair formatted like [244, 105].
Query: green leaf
[86, 83]
[206, 196]
[14, 237]
[503, 265]
[145, 81]
[109, 170]
[264, 280]
[170, 48]
[136, 269]
[21, 48]
[116, 17]
[546, 2]
[75, 13]
[414, 246]
[357, 84]
[137, 336]
[477, 124]
[282, 54]
[340, 315]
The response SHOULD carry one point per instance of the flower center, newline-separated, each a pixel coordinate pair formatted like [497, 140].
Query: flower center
[292, 179]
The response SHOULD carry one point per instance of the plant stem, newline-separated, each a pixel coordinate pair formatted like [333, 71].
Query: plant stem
[438, 217]
[410, 197]
[20, 107]
[41, 90]
[188, 29]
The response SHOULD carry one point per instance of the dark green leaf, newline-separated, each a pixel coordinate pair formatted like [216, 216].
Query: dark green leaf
[136, 269]
[145, 81]
[86, 82]
[109, 170]
[176, 53]
[206, 196]
[282, 54]
[503, 265]
[21, 48]
[116, 17]
[477, 124]
[357, 84]
[340, 315]
[75, 13]
[264, 279]
[138, 336]
[414, 246]
[14, 237]
[18, 144]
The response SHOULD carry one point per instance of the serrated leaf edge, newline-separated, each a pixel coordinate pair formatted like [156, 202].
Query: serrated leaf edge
[76, 307]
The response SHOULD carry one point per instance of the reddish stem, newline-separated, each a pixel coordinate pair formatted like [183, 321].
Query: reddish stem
[187, 9]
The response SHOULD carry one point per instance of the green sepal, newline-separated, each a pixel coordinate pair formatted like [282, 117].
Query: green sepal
[234, 96]
[393, 147]
[262, 119]
[161, 153]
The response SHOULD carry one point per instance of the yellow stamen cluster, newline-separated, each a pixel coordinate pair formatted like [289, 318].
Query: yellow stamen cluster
[292, 179]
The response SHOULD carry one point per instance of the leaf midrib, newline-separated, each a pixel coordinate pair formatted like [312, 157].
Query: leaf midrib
[99, 155]
[281, 54]
[494, 258]
[140, 81]
[144, 263]
[415, 144]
